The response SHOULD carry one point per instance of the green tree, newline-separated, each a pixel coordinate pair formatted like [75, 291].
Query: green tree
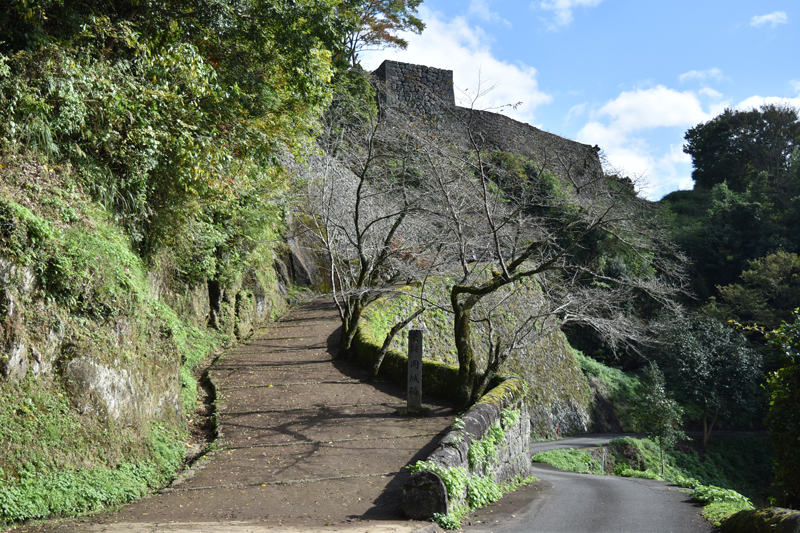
[377, 24]
[766, 296]
[736, 146]
[722, 230]
[172, 112]
[656, 414]
[784, 412]
[709, 364]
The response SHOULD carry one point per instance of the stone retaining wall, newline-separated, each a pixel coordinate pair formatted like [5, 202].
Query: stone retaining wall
[425, 494]
[424, 89]
[427, 93]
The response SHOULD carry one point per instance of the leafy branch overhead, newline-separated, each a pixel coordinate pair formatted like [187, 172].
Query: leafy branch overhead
[377, 24]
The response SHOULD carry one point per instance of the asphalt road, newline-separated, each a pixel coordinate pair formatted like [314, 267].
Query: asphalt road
[586, 503]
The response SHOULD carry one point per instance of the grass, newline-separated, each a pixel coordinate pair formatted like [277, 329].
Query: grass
[723, 480]
[91, 286]
[571, 459]
[617, 386]
[77, 466]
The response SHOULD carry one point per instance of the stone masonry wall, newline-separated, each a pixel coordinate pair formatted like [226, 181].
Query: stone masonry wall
[428, 93]
[425, 494]
[424, 89]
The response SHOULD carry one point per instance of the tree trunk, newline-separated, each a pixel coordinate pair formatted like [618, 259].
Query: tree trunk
[350, 325]
[482, 382]
[388, 340]
[706, 427]
[467, 369]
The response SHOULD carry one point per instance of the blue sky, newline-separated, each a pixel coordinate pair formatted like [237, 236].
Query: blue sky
[629, 76]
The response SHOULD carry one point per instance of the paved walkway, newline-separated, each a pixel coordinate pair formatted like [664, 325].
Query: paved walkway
[305, 442]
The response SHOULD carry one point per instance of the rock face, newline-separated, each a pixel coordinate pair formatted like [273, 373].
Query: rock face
[302, 261]
[121, 394]
[131, 374]
[23, 348]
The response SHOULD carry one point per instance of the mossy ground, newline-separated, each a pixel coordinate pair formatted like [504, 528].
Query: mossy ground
[89, 284]
[545, 363]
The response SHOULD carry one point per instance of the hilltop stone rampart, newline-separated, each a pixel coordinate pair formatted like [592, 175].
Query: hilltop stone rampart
[429, 94]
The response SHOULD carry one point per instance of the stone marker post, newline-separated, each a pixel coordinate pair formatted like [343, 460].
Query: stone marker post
[414, 369]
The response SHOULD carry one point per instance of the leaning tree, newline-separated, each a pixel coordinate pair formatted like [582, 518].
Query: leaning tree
[400, 197]
[505, 222]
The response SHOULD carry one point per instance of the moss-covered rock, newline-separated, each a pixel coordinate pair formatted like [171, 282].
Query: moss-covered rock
[772, 520]
[98, 348]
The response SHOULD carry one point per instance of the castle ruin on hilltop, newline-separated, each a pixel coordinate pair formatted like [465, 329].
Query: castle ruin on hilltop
[429, 92]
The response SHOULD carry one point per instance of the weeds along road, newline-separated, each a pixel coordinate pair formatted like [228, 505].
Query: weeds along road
[569, 502]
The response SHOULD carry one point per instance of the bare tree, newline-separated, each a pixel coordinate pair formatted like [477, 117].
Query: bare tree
[397, 198]
[502, 229]
[362, 205]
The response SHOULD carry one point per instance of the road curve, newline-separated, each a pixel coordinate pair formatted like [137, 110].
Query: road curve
[569, 502]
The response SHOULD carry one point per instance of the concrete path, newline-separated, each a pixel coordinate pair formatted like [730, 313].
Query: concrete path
[306, 444]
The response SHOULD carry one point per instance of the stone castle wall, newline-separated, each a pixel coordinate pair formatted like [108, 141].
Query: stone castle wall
[424, 89]
[429, 93]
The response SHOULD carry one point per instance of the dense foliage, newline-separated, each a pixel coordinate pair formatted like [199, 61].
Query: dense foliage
[142, 151]
[784, 413]
[172, 113]
[709, 365]
[739, 228]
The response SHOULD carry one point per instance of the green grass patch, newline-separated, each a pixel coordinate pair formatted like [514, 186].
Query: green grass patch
[719, 503]
[571, 459]
[617, 386]
[741, 463]
[50, 479]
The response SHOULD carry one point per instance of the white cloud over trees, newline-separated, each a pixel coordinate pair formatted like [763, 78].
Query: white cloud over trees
[621, 125]
[757, 101]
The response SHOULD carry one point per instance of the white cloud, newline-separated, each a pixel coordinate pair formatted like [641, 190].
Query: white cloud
[795, 85]
[773, 19]
[619, 127]
[562, 9]
[710, 93]
[755, 102]
[701, 75]
[576, 111]
[653, 108]
[466, 50]
[481, 10]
